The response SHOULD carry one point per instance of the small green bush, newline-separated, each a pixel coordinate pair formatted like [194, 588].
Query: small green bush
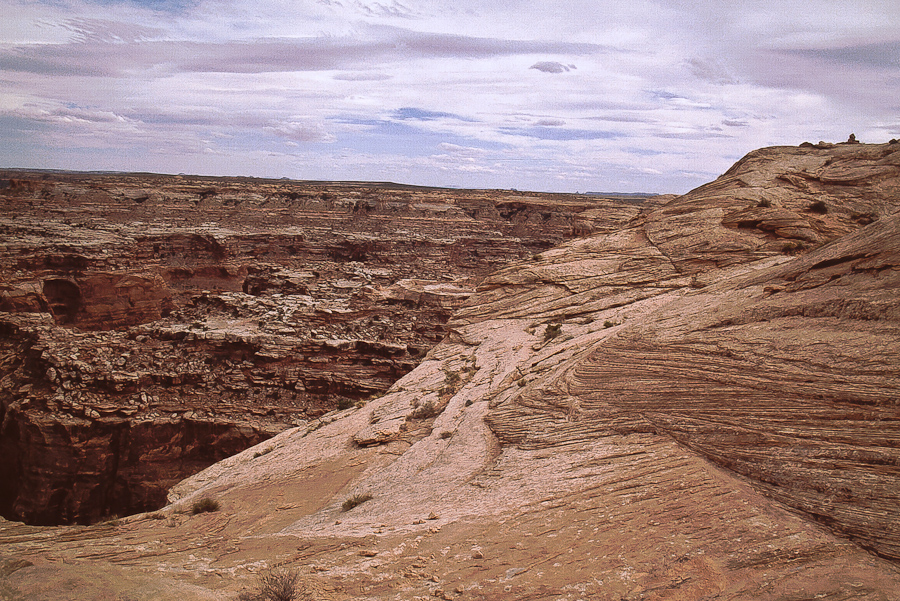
[204, 505]
[355, 500]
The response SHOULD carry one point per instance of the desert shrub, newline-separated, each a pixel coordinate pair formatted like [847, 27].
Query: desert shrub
[204, 505]
[277, 585]
[452, 378]
[552, 331]
[427, 409]
[793, 248]
[446, 434]
[280, 585]
[356, 500]
[452, 381]
[608, 324]
[818, 207]
[345, 403]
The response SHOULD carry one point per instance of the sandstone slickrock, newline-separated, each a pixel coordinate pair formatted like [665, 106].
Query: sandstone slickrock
[632, 415]
[155, 324]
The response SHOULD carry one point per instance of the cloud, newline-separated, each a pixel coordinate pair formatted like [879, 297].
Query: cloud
[378, 45]
[666, 94]
[362, 76]
[371, 9]
[462, 150]
[159, 5]
[884, 55]
[86, 31]
[709, 70]
[560, 134]
[690, 135]
[552, 67]
[72, 114]
[301, 131]
[424, 115]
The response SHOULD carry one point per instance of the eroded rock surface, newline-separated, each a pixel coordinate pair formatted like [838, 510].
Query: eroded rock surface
[153, 325]
[631, 415]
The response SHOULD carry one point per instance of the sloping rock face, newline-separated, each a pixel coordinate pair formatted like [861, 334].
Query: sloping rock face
[784, 371]
[632, 415]
[152, 325]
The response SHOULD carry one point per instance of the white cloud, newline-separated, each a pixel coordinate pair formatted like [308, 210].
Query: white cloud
[301, 131]
[666, 93]
[552, 67]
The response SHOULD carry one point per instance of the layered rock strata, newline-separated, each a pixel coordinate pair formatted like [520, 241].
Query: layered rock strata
[633, 415]
[155, 324]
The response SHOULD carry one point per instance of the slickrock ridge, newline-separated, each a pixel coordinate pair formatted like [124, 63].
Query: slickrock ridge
[635, 414]
[152, 325]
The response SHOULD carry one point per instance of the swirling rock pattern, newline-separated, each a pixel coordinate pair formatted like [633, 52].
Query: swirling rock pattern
[701, 404]
[152, 325]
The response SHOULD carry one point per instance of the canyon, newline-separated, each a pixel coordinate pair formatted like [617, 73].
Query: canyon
[690, 397]
[153, 325]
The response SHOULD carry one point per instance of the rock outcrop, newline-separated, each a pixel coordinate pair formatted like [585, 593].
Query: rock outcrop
[153, 325]
[699, 404]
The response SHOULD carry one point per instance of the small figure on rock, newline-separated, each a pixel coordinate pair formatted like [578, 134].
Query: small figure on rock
[852, 139]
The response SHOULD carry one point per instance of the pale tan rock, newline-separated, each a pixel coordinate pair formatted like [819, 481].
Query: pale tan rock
[714, 418]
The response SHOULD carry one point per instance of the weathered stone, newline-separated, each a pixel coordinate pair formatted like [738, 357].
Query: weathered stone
[674, 409]
[264, 301]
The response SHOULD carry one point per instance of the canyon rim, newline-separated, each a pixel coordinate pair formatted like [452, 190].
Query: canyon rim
[542, 396]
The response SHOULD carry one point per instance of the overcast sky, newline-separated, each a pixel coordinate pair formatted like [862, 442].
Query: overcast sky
[582, 95]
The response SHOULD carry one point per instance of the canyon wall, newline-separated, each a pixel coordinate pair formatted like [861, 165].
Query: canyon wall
[700, 403]
[152, 325]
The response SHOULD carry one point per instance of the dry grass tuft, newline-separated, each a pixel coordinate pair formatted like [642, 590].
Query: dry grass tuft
[356, 500]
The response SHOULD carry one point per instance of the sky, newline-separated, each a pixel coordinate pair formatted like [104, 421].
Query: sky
[583, 95]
